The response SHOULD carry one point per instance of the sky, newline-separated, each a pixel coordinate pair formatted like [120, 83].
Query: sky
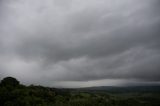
[80, 43]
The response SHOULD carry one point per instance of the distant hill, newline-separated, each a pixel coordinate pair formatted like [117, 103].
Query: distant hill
[123, 89]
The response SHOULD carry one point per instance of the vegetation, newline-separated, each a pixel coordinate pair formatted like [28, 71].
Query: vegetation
[14, 94]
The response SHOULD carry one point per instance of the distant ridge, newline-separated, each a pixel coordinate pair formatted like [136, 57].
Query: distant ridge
[123, 89]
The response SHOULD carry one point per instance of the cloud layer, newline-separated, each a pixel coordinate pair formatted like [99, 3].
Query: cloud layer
[51, 41]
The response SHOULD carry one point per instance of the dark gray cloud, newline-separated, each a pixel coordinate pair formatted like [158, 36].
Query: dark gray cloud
[53, 41]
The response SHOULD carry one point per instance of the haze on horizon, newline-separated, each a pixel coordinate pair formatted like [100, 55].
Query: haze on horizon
[80, 43]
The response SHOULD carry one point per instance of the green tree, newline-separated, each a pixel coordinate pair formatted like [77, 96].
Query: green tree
[9, 81]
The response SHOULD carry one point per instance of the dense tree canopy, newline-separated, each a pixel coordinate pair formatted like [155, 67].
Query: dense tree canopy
[9, 81]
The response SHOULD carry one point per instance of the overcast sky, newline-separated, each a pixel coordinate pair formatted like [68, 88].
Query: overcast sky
[78, 43]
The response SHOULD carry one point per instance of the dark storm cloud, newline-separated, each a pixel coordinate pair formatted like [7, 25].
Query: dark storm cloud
[75, 40]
